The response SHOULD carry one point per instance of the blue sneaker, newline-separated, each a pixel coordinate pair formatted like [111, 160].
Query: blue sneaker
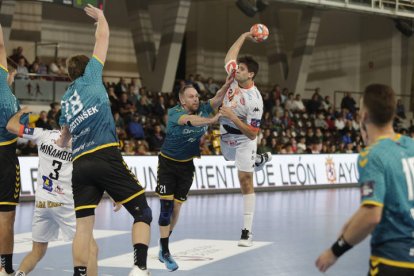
[168, 260]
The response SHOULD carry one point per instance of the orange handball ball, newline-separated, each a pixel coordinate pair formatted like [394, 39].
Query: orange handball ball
[259, 32]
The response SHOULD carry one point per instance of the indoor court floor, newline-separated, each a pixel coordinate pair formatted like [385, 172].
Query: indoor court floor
[291, 228]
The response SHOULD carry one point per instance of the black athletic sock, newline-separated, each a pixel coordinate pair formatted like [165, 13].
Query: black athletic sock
[7, 262]
[140, 255]
[79, 271]
[164, 245]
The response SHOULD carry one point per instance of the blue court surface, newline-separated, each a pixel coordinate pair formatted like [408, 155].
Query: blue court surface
[291, 228]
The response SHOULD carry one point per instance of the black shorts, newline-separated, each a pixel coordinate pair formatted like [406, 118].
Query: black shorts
[9, 178]
[379, 269]
[174, 178]
[103, 170]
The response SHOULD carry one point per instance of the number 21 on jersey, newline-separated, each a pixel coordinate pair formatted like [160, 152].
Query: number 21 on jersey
[408, 167]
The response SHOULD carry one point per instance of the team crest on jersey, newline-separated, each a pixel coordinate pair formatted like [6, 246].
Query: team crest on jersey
[242, 101]
[367, 189]
[47, 183]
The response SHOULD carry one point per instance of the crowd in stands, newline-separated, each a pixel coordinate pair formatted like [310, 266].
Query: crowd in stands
[289, 124]
[54, 69]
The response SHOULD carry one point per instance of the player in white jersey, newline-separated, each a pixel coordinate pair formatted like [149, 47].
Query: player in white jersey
[54, 209]
[241, 114]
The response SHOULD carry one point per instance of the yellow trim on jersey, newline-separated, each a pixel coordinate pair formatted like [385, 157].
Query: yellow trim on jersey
[364, 153]
[396, 137]
[186, 160]
[96, 149]
[372, 202]
[165, 196]
[85, 207]
[8, 142]
[180, 201]
[4, 68]
[363, 162]
[9, 203]
[98, 59]
[131, 197]
[391, 262]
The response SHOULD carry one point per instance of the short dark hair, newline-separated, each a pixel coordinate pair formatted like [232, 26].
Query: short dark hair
[379, 99]
[185, 87]
[251, 64]
[76, 66]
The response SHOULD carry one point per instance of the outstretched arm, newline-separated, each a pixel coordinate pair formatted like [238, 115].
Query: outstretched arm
[362, 223]
[194, 120]
[101, 34]
[3, 55]
[217, 100]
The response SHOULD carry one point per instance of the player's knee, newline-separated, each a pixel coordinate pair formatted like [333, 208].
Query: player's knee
[144, 215]
[167, 208]
[139, 209]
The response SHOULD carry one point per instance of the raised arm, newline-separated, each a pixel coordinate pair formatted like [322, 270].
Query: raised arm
[234, 50]
[101, 34]
[3, 55]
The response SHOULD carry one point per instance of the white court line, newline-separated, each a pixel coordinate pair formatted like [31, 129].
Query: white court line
[189, 254]
[23, 241]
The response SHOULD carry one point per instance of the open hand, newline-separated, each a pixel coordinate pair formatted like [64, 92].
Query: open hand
[93, 12]
[325, 260]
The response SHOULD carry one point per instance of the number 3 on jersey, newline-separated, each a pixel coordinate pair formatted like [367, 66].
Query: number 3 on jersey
[72, 106]
[57, 165]
[408, 167]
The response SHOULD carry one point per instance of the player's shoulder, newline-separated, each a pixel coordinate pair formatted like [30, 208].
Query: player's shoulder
[175, 109]
[368, 155]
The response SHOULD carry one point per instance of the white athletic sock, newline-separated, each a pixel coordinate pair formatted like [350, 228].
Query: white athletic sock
[249, 202]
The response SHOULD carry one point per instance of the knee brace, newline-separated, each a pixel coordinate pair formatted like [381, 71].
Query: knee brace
[144, 215]
[167, 207]
[139, 210]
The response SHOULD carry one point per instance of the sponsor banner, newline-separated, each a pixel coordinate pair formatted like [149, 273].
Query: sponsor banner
[213, 172]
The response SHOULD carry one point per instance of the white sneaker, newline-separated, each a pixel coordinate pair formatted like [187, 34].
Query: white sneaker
[20, 273]
[246, 239]
[4, 273]
[136, 271]
[266, 157]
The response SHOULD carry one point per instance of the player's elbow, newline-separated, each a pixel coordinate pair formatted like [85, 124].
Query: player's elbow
[12, 128]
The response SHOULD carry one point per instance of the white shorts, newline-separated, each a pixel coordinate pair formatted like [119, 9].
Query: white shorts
[243, 152]
[48, 221]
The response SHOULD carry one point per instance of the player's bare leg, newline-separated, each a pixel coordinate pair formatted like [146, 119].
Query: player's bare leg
[81, 244]
[93, 258]
[249, 201]
[175, 214]
[30, 261]
[7, 240]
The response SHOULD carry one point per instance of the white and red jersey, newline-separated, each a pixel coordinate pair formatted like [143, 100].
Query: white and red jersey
[54, 180]
[246, 103]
